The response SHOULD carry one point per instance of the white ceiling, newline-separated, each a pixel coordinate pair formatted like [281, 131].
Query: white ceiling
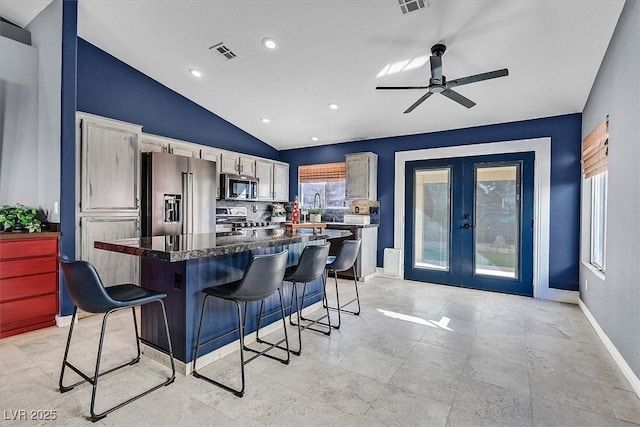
[331, 51]
[21, 12]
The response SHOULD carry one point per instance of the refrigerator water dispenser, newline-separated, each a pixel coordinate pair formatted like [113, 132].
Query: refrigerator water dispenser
[172, 207]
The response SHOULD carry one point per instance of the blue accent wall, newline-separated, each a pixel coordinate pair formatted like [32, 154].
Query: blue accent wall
[565, 134]
[110, 88]
[68, 142]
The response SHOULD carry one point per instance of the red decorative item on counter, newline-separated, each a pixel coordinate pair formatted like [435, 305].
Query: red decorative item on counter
[295, 214]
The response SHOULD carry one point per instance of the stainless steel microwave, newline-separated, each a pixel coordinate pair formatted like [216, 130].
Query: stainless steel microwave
[238, 187]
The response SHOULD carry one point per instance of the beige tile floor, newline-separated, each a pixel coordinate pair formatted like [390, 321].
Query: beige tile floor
[419, 354]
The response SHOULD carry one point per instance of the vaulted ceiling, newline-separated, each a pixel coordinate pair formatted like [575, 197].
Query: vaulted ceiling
[338, 51]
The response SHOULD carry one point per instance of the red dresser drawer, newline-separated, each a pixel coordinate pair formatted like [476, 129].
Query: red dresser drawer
[17, 313]
[11, 249]
[28, 286]
[28, 266]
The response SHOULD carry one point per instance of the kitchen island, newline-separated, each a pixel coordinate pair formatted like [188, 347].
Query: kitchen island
[183, 265]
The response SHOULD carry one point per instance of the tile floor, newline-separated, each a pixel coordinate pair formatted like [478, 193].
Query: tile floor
[419, 354]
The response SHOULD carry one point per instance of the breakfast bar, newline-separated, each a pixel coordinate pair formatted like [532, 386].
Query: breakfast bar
[183, 265]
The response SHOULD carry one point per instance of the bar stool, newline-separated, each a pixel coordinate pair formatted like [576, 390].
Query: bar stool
[310, 267]
[344, 261]
[262, 277]
[87, 293]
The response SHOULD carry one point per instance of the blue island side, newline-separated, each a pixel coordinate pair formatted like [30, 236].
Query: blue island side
[182, 266]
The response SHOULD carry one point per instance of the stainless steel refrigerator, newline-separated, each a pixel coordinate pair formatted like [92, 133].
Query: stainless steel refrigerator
[178, 195]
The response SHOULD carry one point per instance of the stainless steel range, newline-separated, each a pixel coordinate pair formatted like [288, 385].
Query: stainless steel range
[235, 218]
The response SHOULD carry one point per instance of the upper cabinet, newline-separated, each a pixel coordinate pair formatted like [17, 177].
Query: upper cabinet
[109, 165]
[273, 181]
[264, 173]
[238, 165]
[150, 143]
[184, 149]
[280, 182]
[213, 156]
[273, 177]
[362, 176]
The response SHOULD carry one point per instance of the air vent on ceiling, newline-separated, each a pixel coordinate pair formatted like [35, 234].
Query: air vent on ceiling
[408, 6]
[223, 50]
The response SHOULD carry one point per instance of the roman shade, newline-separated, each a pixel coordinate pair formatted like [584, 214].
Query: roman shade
[595, 150]
[328, 172]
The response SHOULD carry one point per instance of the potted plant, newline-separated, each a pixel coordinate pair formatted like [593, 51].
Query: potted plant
[19, 218]
[315, 215]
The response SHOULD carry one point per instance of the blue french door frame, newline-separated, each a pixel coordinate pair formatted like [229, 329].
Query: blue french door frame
[462, 188]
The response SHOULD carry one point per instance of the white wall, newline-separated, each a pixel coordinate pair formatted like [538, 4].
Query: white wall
[614, 300]
[30, 82]
[46, 36]
[18, 123]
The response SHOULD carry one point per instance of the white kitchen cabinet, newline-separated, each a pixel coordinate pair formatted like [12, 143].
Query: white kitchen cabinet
[152, 145]
[112, 267]
[109, 166]
[184, 149]
[280, 182]
[213, 156]
[264, 173]
[238, 165]
[362, 176]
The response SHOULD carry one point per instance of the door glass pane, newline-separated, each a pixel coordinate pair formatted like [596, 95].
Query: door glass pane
[432, 215]
[497, 219]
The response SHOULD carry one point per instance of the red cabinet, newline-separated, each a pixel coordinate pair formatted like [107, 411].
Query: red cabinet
[28, 282]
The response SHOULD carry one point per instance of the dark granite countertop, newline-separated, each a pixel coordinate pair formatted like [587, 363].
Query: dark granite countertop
[346, 226]
[192, 246]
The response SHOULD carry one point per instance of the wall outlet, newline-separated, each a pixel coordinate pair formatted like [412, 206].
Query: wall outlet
[586, 285]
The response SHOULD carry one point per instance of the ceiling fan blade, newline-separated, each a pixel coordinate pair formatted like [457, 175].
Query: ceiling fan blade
[436, 68]
[455, 96]
[478, 77]
[401, 87]
[418, 102]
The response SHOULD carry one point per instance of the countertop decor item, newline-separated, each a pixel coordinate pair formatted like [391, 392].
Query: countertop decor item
[278, 213]
[19, 217]
[315, 215]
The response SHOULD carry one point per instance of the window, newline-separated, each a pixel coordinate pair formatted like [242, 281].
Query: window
[598, 219]
[327, 180]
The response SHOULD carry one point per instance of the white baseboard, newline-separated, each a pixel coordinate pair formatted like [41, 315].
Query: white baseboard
[64, 321]
[204, 360]
[560, 295]
[380, 272]
[617, 357]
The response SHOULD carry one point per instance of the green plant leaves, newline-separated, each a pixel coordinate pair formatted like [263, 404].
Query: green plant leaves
[20, 216]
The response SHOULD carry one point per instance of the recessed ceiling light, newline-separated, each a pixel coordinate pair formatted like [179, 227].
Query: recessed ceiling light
[265, 120]
[195, 73]
[269, 43]
[314, 138]
[333, 106]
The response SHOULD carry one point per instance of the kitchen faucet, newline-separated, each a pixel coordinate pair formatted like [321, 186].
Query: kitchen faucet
[314, 200]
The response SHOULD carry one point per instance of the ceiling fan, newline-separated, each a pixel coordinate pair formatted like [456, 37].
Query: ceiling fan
[439, 84]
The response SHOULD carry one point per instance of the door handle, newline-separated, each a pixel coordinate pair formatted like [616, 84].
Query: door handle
[467, 225]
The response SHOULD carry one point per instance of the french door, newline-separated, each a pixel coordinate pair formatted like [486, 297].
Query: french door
[469, 222]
